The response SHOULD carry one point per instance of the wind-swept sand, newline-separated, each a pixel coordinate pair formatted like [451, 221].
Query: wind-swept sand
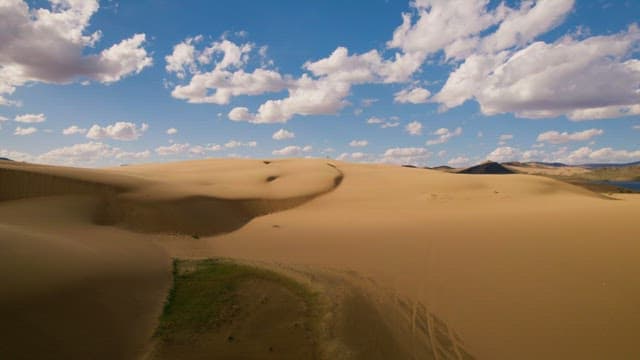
[511, 266]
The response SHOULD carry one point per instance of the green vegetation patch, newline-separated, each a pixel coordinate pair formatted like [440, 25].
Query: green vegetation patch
[204, 292]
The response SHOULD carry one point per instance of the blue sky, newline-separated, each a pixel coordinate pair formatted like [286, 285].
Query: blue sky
[450, 82]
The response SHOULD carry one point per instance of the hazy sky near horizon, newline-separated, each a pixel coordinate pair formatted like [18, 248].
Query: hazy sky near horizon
[425, 82]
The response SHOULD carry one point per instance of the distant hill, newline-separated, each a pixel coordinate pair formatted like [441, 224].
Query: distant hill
[597, 166]
[5, 159]
[488, 167]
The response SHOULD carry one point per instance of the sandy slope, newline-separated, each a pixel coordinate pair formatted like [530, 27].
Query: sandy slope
[518, 266]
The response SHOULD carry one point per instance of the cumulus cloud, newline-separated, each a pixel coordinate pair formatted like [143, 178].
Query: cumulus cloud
[283, 134]
[172, 131]
[459, 161]
[580, 155]
[73, 130]
[415, 95]
[414, 128]
[292, 150]
[124, 131]
[215, 72]
[173, 149]
[358, 143]
[88, 153]
[186, 148]
[555, 137]
[406, 155]
[593, 78]
[393, 122]
[354, 156]
[235, 143]
[504, 153]
[20, 131]
[50, 45]
[444, 135]
[30, 118]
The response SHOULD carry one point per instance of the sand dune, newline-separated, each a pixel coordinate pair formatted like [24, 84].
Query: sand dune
[509, 267]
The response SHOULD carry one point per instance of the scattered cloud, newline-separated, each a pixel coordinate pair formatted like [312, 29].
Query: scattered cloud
[73, 130]
[358, 143]
[231, 144]
[415, 95]
[504, 153]
[173, 149]
[124, 131]
[459, 161]
[283, 134]
[172, 131]
[444, 135]
[555, 137]
[20, 131]
[292, 150]
[30, 118]
[354, 156]
[406, 155]
[414, 128]
[393, 122]
[50, 45]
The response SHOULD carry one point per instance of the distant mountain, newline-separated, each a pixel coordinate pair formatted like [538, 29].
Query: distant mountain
[488, 167]
[597, 166]
[5, 159]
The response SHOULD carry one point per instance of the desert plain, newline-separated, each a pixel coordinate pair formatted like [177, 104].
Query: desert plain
[313, 258]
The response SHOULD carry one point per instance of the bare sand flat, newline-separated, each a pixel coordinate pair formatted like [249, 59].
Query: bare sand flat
[492, 266]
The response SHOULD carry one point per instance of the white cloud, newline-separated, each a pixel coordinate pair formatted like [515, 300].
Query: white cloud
[390, 124]
[636, 127]
[20, 131]
[414, 128]
[383, 123]
[173, 149]
[355, 156]
[74, 129]
[283, 134]
[79, 153]
[3, 118]
[292, 150]
[216, 73]
[50, 45]
[415, 95]
[125, 131]
[30, 118]
[133, 155]
[459, 161]
[234, 144]
[172, 131]
[504, 153]
[444, 135]
[406, 155]
[555, 137]
[582, 79]
[505, 137]
[358, 143]
[15, 155]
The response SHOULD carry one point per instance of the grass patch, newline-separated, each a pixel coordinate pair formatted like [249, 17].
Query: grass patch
[204, 292]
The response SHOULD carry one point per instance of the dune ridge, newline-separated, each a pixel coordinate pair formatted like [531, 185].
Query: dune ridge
[152, 204]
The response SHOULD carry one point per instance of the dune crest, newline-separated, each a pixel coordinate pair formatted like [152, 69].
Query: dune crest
[182, 199]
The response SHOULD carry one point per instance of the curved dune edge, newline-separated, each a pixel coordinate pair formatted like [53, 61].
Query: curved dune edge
[144, 199]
